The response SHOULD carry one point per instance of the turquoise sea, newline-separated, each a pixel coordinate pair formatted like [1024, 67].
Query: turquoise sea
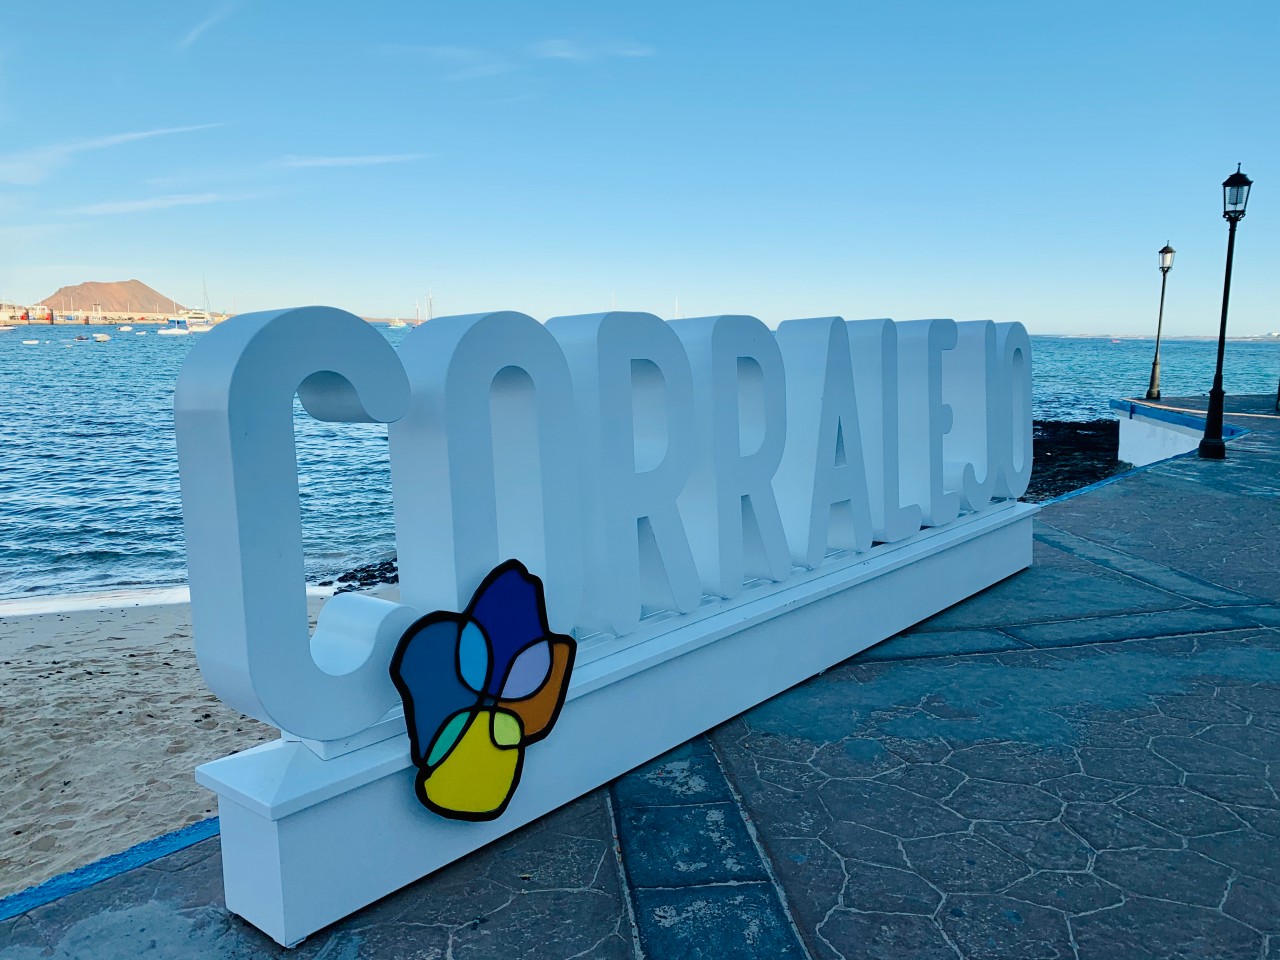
[89, 480]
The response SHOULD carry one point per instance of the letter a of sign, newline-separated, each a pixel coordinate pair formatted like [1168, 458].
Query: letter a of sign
[478, 687]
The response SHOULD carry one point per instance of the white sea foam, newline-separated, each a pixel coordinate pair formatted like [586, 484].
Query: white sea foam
[125, 598]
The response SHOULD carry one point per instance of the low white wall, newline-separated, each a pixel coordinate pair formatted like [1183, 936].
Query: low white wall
[1143, 440]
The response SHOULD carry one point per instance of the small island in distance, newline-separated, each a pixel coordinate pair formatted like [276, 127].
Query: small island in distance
[118, 302]
[95, 302]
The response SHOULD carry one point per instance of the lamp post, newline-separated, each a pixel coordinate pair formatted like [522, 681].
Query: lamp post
[1166, 264]
[1235, 196]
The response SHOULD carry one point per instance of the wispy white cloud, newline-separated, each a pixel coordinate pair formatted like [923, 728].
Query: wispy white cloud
[367, 160]
[475, 63]
[219, 14]
[471, 63]
[584, 53]
[34, 166]
[156, 203]
[633, 50]
[524, 97]
[116, 139]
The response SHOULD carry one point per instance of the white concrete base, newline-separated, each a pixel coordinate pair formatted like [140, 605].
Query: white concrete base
[307, 841]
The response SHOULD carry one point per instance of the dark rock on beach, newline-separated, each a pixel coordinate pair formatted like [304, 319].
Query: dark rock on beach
[369, 575]
[1070, 455]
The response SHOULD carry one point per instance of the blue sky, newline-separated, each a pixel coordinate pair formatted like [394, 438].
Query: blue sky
[1019, 161]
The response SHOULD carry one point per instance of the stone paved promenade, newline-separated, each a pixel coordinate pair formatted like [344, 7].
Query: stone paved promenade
[1081, 762]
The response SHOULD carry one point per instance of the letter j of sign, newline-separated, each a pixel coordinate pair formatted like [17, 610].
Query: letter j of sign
[478, 687]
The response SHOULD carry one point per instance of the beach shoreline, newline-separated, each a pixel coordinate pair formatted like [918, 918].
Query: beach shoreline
[112, 597]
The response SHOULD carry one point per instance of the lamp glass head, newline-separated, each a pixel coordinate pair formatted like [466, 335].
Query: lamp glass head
[1235, 195]
[1166, 257]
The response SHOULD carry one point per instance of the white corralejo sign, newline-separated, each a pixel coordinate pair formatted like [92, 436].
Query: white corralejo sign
[698, 514]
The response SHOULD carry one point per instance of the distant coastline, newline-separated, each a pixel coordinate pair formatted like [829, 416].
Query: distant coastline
[101, 320]
[1248, 338]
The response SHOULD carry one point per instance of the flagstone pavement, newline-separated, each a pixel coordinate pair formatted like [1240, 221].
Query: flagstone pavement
[1081, 762]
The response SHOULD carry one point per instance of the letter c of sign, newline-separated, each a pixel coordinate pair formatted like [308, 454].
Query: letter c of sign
[233, 408]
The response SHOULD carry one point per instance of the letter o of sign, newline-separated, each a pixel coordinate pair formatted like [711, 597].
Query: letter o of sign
[1014, 428]
[484, 466]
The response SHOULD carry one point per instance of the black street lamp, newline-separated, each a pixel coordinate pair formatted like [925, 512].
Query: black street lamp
[1166, 264]
[1235, 196]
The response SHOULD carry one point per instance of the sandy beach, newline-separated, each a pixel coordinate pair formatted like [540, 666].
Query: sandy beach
[104, 715]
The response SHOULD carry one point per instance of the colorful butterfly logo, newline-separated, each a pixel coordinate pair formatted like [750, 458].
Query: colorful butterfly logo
[478, 687]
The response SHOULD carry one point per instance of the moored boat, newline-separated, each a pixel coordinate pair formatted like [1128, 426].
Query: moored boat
[197, 321]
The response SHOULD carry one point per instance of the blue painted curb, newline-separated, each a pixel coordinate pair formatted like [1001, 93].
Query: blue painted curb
[80, 879]
[1134, 408]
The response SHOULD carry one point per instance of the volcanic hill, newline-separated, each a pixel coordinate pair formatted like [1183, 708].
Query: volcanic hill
[119, 296]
